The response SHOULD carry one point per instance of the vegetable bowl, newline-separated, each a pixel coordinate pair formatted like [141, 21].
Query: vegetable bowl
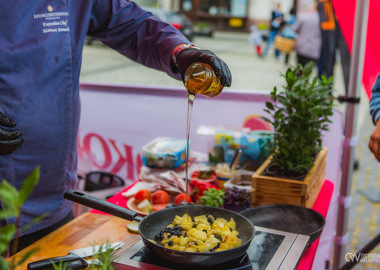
[204, 176]
[145, 202]
[238, 191]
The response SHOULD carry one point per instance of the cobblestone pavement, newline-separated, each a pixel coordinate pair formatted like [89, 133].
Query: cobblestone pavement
[249, 71]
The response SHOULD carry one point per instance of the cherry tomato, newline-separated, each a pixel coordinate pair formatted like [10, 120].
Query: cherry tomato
[160, 196]
[141, 195]
[182, 198]
[159, 206]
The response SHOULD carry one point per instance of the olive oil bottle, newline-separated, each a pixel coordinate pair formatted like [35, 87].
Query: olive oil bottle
[201, 79]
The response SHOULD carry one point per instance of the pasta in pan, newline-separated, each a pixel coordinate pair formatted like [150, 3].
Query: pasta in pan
[203, 234]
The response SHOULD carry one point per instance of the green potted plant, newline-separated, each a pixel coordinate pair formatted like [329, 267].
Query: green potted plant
[13, 200]
[300, 111]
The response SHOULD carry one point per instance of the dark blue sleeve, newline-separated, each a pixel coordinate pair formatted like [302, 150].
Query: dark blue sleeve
[135, 33]
[273, 16]
[374, 103]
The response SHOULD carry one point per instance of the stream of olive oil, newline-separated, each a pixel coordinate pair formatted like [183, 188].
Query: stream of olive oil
[189, 110]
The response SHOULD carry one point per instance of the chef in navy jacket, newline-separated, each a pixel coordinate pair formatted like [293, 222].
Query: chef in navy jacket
[41, 45]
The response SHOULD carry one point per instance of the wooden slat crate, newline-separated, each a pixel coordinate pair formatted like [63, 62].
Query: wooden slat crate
[275, 190]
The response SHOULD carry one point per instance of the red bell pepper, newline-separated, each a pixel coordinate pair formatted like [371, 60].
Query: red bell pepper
[199, 188]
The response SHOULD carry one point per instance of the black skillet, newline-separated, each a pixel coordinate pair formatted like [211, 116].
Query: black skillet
[288, 218]
[152, 224]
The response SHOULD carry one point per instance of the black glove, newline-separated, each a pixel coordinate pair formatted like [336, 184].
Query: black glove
[189, 56]
[10, 140]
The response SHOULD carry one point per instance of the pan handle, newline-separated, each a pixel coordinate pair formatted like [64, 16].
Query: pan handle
[101, 205]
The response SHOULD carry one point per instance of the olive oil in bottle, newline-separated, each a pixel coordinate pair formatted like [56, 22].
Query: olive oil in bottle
[200, 79]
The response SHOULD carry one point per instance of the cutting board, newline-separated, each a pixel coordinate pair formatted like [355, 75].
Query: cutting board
[86, 230]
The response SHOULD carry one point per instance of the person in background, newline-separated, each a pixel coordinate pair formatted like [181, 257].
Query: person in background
[277, 21]
[41, 54]
[332, 40]
[255, 39]
[307, 26]
[374, 105]
[287, 30]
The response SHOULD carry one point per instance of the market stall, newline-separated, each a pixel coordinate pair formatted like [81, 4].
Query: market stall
[115, 147]
[132, 116]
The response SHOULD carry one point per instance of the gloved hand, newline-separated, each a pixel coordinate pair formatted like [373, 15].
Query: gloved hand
[10, 140]
[189, 56]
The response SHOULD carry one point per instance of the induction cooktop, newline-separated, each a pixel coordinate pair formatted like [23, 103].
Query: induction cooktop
[269, 249]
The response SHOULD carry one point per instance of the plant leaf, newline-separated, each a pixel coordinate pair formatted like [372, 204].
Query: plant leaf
[269, 105]
[27, 255]
[10, 199]
[6, 234]
[3, 263]
[29, 183]
[34, 221]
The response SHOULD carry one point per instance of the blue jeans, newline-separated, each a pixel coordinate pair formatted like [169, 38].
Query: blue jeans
[270, 41]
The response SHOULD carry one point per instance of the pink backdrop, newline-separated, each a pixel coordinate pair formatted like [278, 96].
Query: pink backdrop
[345, 14]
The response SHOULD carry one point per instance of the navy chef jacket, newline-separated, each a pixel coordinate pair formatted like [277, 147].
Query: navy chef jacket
[41, 46]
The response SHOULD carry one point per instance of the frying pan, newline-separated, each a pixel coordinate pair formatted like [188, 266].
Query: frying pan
[288, 218]
[152, 224]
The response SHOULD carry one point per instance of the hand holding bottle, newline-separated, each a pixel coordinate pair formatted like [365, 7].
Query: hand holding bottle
[197, 63]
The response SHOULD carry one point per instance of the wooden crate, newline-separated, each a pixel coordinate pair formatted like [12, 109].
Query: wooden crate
[275, 190]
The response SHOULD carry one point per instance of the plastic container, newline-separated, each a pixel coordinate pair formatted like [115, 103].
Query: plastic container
[200, 79]
[223, 173]
[238, 191]
[163, 152]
